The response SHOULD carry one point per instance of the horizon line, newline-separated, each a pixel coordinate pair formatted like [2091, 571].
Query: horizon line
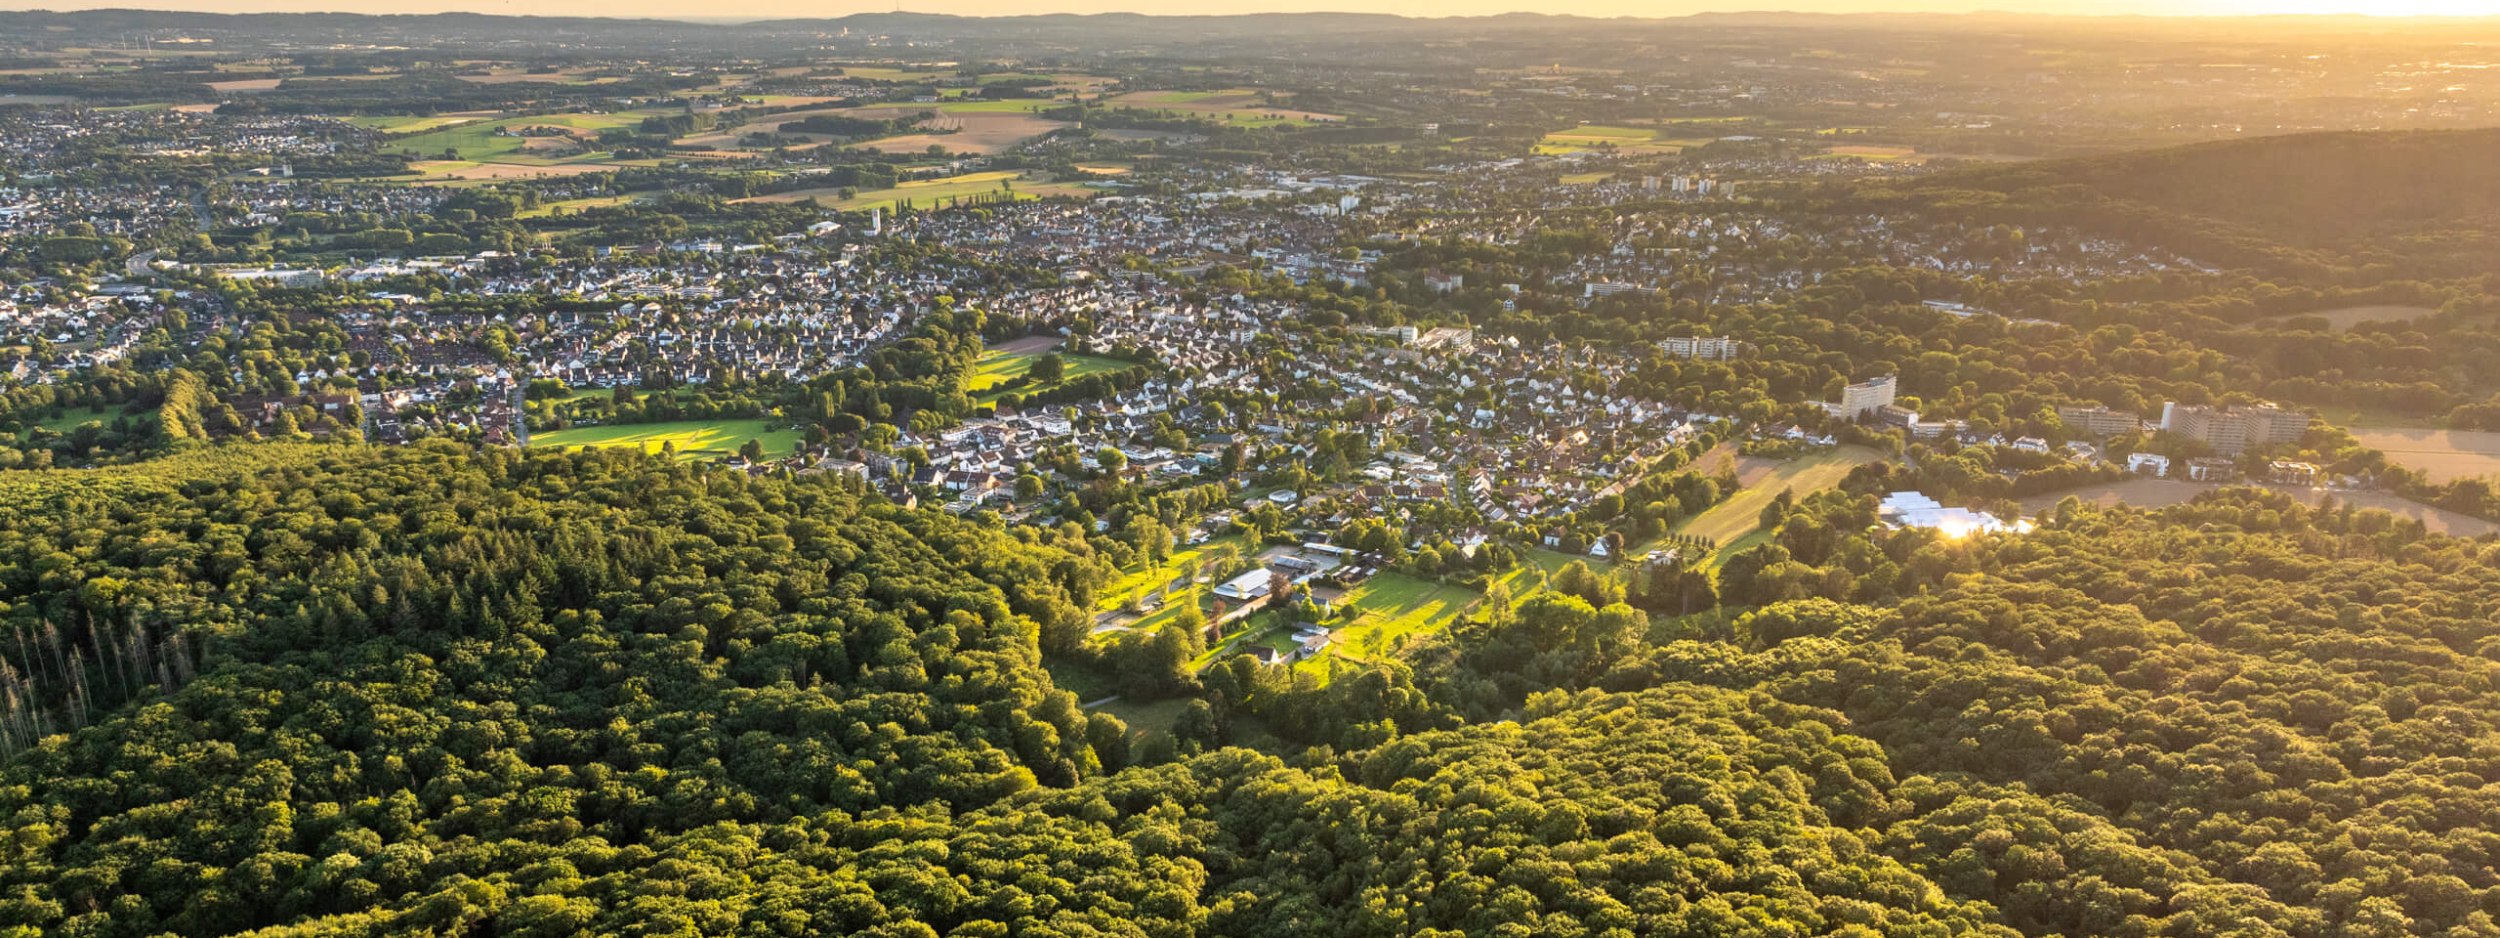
[715, 20]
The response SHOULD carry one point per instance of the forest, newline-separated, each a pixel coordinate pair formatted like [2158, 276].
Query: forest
[290, 689]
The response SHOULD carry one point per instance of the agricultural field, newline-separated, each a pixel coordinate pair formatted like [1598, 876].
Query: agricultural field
[415, 123]
[971, 126]
[1239, 107]
[1615, 138]
[891, 73]
[981, 133]
[931, 193]
[479, 142]
[2444, 455]
[695, 439]
[1876, 154]
[505, 76]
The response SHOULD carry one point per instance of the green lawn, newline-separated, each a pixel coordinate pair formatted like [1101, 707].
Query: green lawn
[694, 438]
[72, 417]
[1529, 577]
[997, 367]
[1391, 607]
[1739, 514]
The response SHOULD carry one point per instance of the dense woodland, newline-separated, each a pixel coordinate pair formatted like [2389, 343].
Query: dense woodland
[264, 679]
[352, 690]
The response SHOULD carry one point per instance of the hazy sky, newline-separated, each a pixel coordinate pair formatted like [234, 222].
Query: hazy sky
[758, 9]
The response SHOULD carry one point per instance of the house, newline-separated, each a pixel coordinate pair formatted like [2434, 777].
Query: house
[2153, 464]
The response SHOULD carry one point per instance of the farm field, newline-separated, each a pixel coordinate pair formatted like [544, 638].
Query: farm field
[505, 76]
[2163, 493]
[412, 124]
[477, 141]
[2343, 319]
[978, 132]
[1874, 153]
[1621, 139]
[455, 172]
[694, 438]
[2444, 455]
[930, 193]
[1238, 107]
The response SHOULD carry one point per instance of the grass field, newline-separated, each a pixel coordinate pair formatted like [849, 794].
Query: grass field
[575, 205]
[968, 106]
[70, 419]
[1617, 138]
[932, 193]
[411, 124]
[1872, 153]
[1237, 107]
[476, 141]
[1737, 516]
[1390, 608]
[1536, 567]
[694, 438]
[999, 366]
[2444, 455]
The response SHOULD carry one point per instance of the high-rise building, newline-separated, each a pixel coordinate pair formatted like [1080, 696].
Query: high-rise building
[1858, 400]
[2232, 430]
[1705, 347]
[2098, 420]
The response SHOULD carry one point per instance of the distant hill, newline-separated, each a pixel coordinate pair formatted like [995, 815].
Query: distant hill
[2422, 203]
